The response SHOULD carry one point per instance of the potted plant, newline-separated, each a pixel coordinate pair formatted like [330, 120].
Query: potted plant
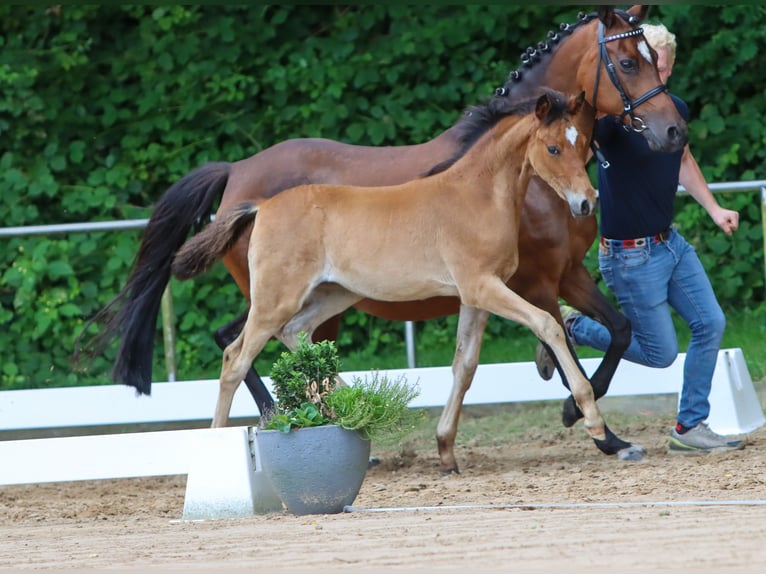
[315, 446]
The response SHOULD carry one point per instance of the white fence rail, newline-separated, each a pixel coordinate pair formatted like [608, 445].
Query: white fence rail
[493, 383]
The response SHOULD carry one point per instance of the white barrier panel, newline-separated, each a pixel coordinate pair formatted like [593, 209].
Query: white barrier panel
[224, 480]
[225, 477]
[734, 404]
[493, 383]
[97, 457]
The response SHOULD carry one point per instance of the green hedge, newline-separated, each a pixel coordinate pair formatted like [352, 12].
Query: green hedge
[103, 108]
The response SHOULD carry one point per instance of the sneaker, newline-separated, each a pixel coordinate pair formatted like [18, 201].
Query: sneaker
[701, 440]
[543, 360]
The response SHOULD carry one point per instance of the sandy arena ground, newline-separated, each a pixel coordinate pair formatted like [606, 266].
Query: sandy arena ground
[695, 513]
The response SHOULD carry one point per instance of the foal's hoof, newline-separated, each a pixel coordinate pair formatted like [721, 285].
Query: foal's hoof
[633, 452]
[544, 362]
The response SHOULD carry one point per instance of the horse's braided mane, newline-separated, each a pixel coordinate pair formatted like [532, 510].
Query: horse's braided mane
[478, 119]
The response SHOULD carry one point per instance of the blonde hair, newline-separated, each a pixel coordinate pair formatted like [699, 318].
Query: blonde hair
[658, 36]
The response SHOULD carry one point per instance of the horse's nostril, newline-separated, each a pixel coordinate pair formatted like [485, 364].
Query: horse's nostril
[585, 207]
[677, 136]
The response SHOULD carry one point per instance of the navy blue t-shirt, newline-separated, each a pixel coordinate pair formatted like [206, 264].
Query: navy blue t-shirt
[637, 190]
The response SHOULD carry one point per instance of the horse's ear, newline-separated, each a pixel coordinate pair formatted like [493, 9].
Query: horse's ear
[543, 106]
[606, 15]
[640, 11]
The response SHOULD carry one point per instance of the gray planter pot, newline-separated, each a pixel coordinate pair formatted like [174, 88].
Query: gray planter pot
[316, 470]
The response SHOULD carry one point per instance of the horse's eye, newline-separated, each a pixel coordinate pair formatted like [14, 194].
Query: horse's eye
[553, 150]
[628, 65]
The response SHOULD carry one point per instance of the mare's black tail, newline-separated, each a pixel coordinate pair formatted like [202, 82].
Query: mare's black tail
[132, 314]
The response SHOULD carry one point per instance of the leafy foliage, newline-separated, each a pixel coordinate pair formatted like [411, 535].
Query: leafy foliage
[103, 107]
[306, 415]
[378, 407]
[308, 373]
[308, 395]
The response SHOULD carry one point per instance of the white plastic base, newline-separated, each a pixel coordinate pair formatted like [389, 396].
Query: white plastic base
[225, 478]
[734, 405]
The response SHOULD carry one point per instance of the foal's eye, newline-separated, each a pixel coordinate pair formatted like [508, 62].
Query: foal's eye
[553, 150]
[628, 65]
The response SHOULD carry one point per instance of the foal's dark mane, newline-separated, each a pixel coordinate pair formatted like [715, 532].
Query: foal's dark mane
[483, 118]
[521, 90]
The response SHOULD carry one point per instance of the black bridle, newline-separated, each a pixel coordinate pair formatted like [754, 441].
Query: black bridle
[637, 124]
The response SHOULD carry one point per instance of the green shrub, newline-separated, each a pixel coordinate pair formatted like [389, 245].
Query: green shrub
[308, 374]
[378, 407]
[308, 394]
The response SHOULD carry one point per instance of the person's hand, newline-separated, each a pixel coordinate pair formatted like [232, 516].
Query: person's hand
[726, 219]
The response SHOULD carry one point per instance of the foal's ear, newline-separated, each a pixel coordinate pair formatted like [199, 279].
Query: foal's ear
[575, 103]
[543, 106]
[639, 11]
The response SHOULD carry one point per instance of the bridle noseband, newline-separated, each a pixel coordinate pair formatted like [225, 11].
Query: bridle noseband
[637, 124]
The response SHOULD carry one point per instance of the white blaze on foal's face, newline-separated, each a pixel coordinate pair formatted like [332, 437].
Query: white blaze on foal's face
[571, 134]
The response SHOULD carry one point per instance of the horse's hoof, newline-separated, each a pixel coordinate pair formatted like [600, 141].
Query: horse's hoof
[633, 452]
[570, 414]
[373, 461]
[544, 362]
[450, 471]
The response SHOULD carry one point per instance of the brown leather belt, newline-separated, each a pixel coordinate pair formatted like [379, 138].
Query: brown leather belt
[660, 237]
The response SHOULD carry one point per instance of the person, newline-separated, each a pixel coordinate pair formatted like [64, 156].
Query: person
[650, 268]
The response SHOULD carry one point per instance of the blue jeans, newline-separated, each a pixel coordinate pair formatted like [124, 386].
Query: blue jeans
[647, 282]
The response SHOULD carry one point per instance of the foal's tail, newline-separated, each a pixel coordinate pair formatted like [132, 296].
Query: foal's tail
[199, 253]
[132, 314]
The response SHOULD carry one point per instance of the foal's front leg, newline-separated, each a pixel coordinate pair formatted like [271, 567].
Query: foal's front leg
[470, 330]
[490, 293]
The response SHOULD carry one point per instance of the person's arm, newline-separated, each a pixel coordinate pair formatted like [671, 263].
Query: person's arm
[690, 176]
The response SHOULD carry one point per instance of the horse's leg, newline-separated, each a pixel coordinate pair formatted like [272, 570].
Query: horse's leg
[543, 294]
[470, 330]
[325, 304]
[579, 290]
[492, 294]
[224, 336]
[280, 297]
[262, 323]
[237, 360]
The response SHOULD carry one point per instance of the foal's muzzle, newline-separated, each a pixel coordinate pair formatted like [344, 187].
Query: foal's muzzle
[580, 205]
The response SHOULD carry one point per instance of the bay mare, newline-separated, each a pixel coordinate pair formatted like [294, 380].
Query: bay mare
[450, 234]
[552, 244]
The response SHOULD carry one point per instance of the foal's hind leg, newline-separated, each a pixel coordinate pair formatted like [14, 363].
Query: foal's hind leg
[268, 313]
[237, 360]
[326, 300]
[470, 330]
[224, 337]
